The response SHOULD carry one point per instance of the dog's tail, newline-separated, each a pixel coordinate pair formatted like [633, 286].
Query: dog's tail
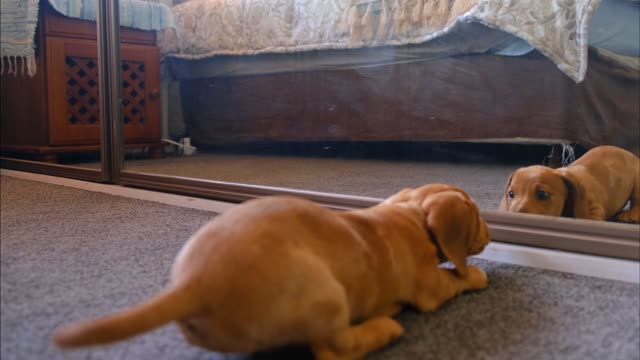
[171, 304]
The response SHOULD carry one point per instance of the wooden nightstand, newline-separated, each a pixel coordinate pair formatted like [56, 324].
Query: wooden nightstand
[57, 110]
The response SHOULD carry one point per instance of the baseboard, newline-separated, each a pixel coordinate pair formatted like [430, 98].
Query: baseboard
[140, 194]
[580, 264]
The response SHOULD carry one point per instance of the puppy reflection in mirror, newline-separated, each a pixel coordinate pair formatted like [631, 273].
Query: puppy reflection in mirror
[597, 187]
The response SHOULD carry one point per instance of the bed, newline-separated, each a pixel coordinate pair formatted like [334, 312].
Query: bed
[406, 70]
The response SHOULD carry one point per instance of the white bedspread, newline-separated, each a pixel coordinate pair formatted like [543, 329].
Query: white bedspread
[557, 28]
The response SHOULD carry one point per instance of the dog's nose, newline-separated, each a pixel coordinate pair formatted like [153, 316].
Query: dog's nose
[522, 209]
[477, 248]
[481, 242]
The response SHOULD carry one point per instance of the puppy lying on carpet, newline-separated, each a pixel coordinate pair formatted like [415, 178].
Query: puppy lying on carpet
[597, 186]
[279, 270]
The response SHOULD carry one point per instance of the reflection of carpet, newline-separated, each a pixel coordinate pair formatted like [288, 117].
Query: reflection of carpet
[375, 178]
[69, 254]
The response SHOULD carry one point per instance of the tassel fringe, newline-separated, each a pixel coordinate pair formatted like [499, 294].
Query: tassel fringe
[18, 65]
[568, 155]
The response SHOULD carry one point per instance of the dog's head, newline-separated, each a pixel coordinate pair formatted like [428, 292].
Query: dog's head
[452, 220]
[544, 191]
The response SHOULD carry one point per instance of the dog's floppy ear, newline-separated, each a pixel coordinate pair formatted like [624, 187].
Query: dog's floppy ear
[575, 205]
[450, 221]
[504, 204]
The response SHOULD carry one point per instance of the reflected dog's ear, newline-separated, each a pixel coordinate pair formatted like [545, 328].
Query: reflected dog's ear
[451, 223]
[504, 203]
[575, 205]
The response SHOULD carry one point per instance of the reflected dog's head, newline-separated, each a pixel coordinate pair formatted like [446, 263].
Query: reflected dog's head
[542, 190]
[452, 220]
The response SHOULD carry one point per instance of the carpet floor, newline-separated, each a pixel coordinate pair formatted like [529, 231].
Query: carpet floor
[69, 254]
[374, 178]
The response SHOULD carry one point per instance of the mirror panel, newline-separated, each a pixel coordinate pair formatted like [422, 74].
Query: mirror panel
[368, 117]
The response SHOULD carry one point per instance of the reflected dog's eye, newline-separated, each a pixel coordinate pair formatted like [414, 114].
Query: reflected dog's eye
[542, 195]
[511, 194]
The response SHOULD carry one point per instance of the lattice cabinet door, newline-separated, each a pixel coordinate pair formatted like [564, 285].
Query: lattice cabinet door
[74, 112]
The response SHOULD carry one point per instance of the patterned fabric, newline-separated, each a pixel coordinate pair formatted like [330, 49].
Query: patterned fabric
[205, 28]
[18, 20]
[557, 28]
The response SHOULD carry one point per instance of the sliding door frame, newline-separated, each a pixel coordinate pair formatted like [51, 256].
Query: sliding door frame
[108, 40]
[73, 172]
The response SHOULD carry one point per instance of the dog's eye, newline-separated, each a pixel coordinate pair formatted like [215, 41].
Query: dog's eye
[511, 194]
[542, 195]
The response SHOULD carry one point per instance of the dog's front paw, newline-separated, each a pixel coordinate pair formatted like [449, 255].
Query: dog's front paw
[392, 328]
[476, 278]
[631, 216]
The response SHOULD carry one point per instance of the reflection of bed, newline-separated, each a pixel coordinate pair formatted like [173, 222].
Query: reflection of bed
[468, 83]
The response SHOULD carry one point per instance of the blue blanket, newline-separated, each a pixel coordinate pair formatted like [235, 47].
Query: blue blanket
[139, 14]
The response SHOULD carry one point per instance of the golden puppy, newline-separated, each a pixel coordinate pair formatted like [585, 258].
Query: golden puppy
[280, 270]
[596, 186]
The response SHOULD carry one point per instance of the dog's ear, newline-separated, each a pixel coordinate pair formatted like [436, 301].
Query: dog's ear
[575, 205]
[450, 221]
[504, 203]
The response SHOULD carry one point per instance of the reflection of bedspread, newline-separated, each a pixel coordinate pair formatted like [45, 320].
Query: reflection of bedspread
[246, 27]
